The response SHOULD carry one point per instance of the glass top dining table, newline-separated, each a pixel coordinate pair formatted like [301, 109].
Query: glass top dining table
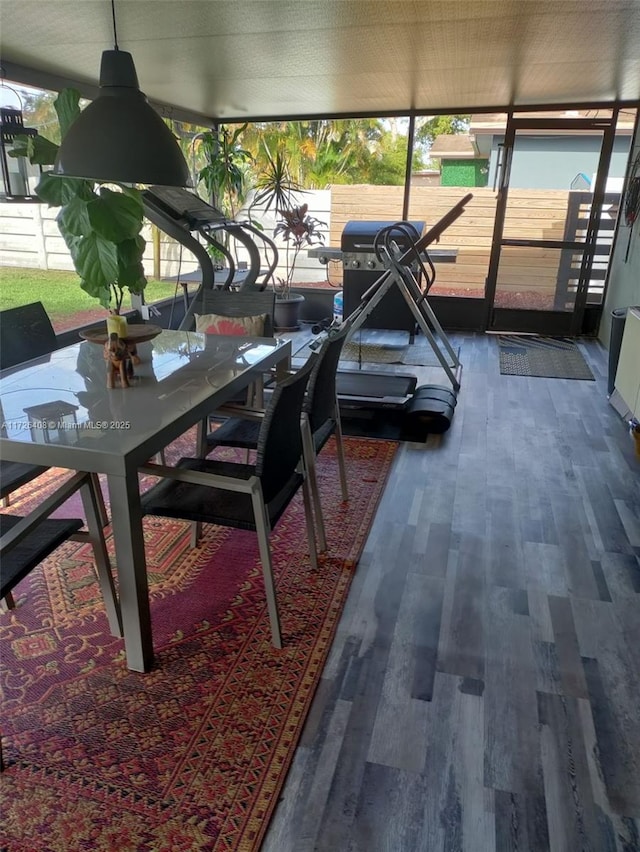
[57, 411]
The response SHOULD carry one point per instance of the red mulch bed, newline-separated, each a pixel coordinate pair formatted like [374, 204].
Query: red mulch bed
[79, 319]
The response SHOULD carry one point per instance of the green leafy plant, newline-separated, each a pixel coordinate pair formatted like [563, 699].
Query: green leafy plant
[100, 226]
[275, 186]
[225, 173]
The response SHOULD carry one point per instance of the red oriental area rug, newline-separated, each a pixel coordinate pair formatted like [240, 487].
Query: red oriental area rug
[191, 756]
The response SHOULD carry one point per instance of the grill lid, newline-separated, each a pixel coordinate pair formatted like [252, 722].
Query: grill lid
[358, 235]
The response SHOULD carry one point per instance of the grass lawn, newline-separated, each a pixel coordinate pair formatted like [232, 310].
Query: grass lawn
[60, 292]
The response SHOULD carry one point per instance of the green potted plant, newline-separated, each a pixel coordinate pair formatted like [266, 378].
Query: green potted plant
[298, 229]
[225, 170]
[275, 188]
[100, 225]
[225, 174]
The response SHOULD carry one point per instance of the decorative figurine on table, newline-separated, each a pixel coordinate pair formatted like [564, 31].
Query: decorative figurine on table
[119, 361]
[133, 352]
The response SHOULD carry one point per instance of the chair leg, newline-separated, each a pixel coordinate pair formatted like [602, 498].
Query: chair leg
[201, 452]
[309, 456]
[262, 529]
[196, 533]
[342, 467]
[308, 515]
[91, 503]
[9, 602]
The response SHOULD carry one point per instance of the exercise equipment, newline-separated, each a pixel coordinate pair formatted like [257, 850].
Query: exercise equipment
[182, 214]
[407, 266]
[362, 266]
[359, 389]
[414, 287]
[430, 410]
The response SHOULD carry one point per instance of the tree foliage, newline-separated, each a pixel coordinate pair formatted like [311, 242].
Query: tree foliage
[440, 125]
[320, 153]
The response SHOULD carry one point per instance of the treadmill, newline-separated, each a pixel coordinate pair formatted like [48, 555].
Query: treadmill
[358, 389]
[181, 214]
[412, 272]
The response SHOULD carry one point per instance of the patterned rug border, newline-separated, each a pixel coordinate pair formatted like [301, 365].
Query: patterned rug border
[246, 821]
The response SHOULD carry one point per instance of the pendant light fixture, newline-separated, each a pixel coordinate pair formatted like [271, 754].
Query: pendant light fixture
[119, 137]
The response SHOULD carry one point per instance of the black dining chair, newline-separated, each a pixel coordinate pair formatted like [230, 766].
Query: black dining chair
[246, 496]
[231, 304]
[321, 406]
[27, 540]
[14, 475]
[26, 333]
[213, 306]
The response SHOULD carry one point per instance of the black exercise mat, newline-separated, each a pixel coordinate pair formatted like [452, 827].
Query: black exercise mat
[545, 357]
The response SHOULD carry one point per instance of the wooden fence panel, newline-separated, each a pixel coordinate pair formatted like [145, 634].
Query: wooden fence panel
[470, 234]
[532, 214]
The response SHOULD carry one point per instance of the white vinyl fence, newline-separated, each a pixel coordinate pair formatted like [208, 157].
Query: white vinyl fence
[29, 237]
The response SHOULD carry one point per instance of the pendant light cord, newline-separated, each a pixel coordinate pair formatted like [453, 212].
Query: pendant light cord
[115, 33]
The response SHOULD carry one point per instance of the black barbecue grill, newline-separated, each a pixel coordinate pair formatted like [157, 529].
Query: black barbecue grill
[362, 268]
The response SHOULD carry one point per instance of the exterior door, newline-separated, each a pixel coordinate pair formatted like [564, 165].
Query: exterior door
[551, 242]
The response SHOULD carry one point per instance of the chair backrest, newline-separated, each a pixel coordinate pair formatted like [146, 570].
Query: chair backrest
[231, 304]
[280, 440]
[26, 332]
[321, 393]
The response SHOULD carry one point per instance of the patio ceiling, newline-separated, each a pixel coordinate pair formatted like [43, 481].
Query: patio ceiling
[235, 59]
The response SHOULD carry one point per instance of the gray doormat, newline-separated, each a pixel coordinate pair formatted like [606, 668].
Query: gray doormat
[418, 354]
[545, 357]
[372, 353]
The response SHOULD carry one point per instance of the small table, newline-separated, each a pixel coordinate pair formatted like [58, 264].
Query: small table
[136, 333]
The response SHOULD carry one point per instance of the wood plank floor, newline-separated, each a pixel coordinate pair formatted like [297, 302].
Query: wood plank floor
[483, 689]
